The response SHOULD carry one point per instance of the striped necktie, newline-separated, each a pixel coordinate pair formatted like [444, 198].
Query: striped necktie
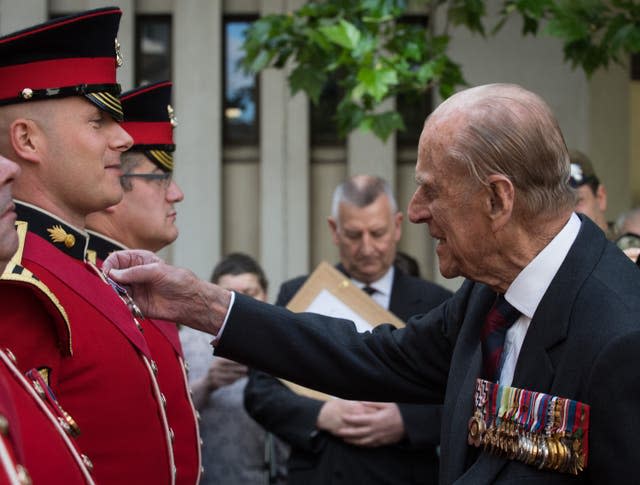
[499, 319]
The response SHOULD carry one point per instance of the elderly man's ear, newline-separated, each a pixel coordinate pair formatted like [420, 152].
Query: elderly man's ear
[501, 194]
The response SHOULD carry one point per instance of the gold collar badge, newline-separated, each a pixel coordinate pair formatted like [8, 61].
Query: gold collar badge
[59, 235]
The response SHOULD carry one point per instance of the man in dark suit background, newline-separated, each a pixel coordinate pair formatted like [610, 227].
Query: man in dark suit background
[351, 441]
[493, 188]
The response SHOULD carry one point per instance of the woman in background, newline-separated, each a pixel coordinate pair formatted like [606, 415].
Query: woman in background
[236, 449]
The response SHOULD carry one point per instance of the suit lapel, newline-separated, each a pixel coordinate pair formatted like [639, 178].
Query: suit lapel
[466, 365]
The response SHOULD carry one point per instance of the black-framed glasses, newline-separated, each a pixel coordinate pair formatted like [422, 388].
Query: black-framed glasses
[163, 179]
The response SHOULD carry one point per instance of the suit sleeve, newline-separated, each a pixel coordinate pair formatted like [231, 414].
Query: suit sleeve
[393, 365]
[283, 412]
[421, 425]
[614, 397]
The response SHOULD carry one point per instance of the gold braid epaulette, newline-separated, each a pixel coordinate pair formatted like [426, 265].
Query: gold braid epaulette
[18, 273]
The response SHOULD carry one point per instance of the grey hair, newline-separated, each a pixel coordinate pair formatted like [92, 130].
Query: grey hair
[361, 190]
[512, 132]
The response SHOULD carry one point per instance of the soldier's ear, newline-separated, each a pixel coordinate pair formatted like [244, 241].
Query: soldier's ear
[26, 139]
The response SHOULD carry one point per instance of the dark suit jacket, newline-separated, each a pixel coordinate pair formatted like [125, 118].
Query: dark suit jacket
[320, 458]
[583, 343]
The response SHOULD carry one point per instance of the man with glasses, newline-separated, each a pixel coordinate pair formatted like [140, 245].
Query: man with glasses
[145, 218]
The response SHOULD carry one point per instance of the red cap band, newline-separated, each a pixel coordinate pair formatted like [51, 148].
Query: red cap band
[149, 132]
[56, 73]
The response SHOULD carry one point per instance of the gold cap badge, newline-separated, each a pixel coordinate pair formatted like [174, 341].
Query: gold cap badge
[172, 116]
[119, 59]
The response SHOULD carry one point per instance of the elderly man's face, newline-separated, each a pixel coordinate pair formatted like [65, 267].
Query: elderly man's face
[449, 204]
[367, 238]
[8, 236]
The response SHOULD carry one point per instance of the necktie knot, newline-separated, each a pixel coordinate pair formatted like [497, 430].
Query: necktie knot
[369, 290]
[499, 319]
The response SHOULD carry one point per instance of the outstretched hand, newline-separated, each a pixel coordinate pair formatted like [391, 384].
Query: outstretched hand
[167, 292]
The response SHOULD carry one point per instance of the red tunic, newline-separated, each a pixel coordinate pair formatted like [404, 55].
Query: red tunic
[108, 385]
[34, 442]
[163, 341]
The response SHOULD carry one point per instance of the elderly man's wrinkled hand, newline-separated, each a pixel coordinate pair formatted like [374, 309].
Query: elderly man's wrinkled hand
[168, 292]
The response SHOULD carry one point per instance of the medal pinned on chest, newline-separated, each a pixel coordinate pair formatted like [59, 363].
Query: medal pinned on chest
[535, 428]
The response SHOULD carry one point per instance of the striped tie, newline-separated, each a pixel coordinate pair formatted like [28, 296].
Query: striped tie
[499, 319]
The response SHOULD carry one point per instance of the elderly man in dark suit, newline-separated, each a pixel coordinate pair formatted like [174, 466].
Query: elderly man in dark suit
[492, 174]
[350, 441]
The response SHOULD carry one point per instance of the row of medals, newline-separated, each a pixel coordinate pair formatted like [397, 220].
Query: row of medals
[551, 451]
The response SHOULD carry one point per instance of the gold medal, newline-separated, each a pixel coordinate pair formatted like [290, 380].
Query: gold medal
[477, 428]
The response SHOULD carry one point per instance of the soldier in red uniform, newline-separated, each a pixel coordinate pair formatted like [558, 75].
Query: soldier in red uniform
[36, 434]
[59, 113]
[145, 218]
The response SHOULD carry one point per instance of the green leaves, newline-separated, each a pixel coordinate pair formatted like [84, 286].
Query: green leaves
[373, 53]
[344, 34]
[375, 82]
[311, 81]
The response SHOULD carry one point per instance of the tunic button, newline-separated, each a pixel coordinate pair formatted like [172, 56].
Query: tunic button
[198, 415]
[87, 462]
[175, 471]
[172, 435]
[186, 366]
[4, 425]
[11, 356]
[154, 367]
[163, 400]
[23, 475]
[65, 425]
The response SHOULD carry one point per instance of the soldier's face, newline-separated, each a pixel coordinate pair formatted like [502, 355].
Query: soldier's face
[147, 213]
[83, 148]
[8, 236]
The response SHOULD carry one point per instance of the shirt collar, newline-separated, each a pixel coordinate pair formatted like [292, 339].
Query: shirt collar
[383, 285]
[526, 291]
